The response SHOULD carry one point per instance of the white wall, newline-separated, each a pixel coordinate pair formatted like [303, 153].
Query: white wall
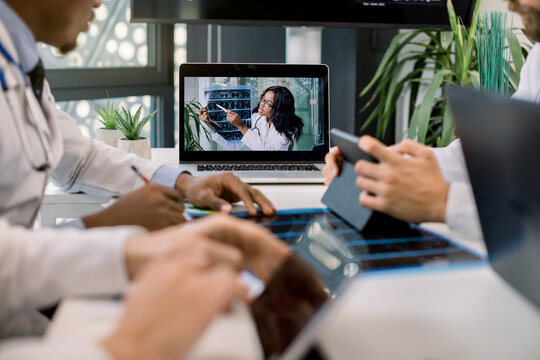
[499, 5]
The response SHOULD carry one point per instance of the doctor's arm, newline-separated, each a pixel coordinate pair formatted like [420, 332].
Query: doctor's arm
[37, 268]
[170, 304]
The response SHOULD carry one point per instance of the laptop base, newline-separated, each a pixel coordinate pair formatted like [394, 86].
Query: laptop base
[268, 177]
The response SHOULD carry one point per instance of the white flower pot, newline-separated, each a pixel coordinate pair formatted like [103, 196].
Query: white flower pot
[109, 137]
[139, 147]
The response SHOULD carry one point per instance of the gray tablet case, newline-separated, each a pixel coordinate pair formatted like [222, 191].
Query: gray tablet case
[342, 197]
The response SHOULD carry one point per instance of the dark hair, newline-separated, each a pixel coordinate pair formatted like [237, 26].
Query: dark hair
[284, 118]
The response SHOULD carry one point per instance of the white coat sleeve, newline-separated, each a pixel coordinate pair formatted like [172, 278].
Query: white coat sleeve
[255, 142]
[452, 162]
[39, 268]
[40, 349]
[461, 213]
[528, 89]
[92, 167]
[220, 140]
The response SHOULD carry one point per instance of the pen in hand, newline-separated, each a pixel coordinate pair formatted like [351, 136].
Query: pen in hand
[136, 171]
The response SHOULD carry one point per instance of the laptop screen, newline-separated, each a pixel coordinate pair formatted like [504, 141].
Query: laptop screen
[253, 112]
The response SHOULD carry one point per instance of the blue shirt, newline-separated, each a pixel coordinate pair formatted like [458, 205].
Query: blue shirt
[21, 36]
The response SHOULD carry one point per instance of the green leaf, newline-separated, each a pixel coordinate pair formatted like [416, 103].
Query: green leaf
[475, 79]
[421, 115]
[448, 128]
[517, 56]
[398, 42]
[129, 124]
[446, 39]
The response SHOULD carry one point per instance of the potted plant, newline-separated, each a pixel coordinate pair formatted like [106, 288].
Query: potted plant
[193, 126]
[131, 128]
[447, 57]
[108, 134]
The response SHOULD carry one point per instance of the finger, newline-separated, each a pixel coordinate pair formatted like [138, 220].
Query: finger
[413, 148]
[331, 169]
[261, 249]
[194, 258]
[223, 287]
[328, 181]
[240, 189]
[369, 169]
[338, 156]
[264, 204]
[371, 201]
[173, 205]
[372, 186]
[223, 253]
[208, 198]
[174, 217]
[377, 149]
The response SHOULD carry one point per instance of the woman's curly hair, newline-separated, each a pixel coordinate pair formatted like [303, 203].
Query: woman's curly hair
[284, 118]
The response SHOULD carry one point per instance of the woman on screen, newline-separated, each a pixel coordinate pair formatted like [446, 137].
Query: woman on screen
[274, 124]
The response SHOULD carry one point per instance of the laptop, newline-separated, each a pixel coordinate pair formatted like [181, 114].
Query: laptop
[281, 127]
[500, 140]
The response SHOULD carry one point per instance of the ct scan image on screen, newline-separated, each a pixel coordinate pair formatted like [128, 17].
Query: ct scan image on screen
[253, 114]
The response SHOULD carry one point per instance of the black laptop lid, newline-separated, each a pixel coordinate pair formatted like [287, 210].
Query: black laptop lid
[501, 143]
[240, 88]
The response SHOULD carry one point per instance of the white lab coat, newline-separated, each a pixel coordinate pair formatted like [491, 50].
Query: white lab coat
[260, 137]
[38, 268]
[461, 213]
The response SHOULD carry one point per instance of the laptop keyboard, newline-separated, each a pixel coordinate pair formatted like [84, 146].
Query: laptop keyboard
[257, 168]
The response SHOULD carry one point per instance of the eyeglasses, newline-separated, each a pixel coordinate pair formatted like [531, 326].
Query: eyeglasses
[266, 103]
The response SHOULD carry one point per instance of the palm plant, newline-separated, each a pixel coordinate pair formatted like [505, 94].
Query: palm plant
[193, 126]
[108, 114]
[129, 124]
[448, 57]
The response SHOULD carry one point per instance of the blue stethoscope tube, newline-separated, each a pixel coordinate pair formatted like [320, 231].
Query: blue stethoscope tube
[33, 111]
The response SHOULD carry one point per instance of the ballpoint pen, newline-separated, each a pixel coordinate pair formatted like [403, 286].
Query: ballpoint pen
[136, 171]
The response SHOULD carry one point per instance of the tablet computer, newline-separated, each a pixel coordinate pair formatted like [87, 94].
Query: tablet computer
[292, 309]
[343, 194]
[348, 146]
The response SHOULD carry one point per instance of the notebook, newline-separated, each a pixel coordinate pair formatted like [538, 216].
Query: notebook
[280, 121]
[500, 143]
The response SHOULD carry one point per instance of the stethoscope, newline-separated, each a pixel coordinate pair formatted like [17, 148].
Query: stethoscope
[33, 112]
[255, 126]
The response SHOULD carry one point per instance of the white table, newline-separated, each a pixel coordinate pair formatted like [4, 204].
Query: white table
[452, 313]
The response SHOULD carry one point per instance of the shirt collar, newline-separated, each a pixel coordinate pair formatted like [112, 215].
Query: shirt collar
[21, 36]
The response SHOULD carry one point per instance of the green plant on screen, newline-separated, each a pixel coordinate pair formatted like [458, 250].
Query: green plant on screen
[193, 126]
